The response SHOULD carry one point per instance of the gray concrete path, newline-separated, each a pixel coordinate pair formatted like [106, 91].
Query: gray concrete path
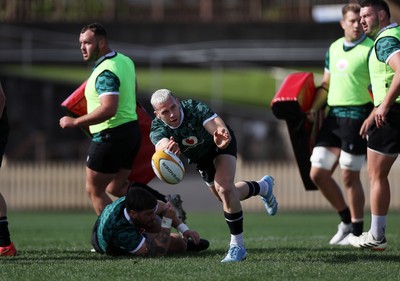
[194, 192]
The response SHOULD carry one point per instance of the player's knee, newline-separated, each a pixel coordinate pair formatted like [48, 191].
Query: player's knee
[117, 191]
[323, 158]
[94, 191]
[224, 191]
[351, 162]
[221, 191]
[90, 189]
[316, 176]
[351, 180]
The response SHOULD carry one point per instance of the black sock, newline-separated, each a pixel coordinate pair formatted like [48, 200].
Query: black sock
[254, 188]
[4, 233]
[235, 222]
[357, 228]
[345, 216]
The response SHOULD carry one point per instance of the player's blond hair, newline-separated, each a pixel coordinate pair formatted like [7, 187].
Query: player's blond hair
[160, 96]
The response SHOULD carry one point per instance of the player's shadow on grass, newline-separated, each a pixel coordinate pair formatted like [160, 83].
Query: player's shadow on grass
[339, 255]
[296, 254]
[33, 256]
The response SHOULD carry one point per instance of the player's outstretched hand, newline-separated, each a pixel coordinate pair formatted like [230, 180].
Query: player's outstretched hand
[222, 138]
[173, 146]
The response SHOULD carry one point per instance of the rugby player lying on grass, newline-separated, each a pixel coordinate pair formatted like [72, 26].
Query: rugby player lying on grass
[138, 224]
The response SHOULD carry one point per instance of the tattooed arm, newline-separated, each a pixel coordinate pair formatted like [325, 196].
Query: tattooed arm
[157, 244]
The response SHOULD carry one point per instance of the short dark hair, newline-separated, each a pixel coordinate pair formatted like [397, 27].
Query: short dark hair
[139, 199]
[376, 4]
[97, 28]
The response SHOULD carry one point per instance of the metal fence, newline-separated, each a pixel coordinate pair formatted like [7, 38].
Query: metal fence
[61, 186]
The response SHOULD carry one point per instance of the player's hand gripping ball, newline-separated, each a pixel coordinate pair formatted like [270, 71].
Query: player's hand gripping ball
[167, 166]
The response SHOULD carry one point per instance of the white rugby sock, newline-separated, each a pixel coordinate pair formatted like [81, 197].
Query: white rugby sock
[237, 239]
[378, 226]
[264, 187]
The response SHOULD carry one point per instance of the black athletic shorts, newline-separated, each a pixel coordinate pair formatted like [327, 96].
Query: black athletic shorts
[114, 149]
[344, 132]
[205, 166]
[387, 138]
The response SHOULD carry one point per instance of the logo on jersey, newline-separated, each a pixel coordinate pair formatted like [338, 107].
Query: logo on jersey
[190, 141]
[342, 64]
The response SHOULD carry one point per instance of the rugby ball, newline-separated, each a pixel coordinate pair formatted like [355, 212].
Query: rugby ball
[167, 166]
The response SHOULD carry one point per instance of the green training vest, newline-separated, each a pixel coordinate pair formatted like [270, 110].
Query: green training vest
[349, 75]
[381, 73]
[124, 69]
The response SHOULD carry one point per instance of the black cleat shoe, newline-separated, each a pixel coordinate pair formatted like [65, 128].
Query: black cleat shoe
[192, 247]
[176, 201]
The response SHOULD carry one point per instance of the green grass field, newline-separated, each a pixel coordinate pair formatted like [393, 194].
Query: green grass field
[247, 86]
[289, 246]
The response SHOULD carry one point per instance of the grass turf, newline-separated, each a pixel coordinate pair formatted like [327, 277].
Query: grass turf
[289, 246]
[247, 86]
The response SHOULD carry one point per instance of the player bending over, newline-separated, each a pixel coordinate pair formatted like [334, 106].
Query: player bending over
[193, 129]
